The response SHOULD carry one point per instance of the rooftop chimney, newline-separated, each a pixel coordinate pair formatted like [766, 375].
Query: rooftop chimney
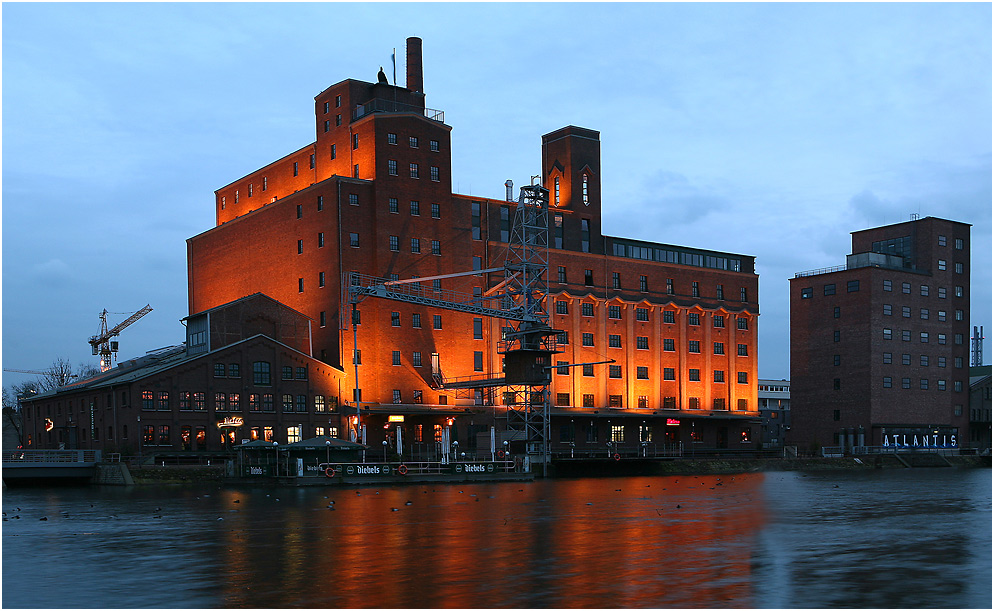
[415, 74]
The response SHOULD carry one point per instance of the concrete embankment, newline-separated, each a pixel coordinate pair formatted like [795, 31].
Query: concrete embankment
[606, 468]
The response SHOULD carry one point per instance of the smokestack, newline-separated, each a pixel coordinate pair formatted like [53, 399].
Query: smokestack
[510, 190]
[415, 74]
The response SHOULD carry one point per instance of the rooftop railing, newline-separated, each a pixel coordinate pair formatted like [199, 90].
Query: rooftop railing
[380, 105]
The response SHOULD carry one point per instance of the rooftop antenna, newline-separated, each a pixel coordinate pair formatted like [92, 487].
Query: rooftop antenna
[978, 346]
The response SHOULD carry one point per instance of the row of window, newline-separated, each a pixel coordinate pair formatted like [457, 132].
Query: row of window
[233, 402]
[233, 370]
[852, 286]
[642, 373]
[415, 206]
[923, 336]
[413, 142]
[413, 170]
[923, 313]
[922, 384]
[923, 360]
[958, 242]
[695, 286]
[642, 314]
[681, 257]
[671, 402]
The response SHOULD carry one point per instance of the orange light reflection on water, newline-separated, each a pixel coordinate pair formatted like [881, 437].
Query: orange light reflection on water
[680, 541]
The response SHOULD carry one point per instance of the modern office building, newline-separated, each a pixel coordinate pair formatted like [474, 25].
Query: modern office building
[879, 347]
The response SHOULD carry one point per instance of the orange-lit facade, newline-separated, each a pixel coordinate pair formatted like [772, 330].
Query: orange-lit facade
[373, 194]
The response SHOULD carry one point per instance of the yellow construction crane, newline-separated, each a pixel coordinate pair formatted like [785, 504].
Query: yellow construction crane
[101, 343]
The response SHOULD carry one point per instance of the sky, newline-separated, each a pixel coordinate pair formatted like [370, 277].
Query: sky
[771, 130]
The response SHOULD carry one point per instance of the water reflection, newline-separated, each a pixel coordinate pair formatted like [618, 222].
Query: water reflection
[779, 540]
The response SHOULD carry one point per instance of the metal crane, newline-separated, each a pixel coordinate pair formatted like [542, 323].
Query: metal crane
[101, 343]
[34, 371]
[520, 298]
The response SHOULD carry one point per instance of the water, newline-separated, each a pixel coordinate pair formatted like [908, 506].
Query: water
[892, 539]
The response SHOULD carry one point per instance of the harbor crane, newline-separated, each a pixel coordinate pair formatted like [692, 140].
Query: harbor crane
[519, 299]
[102, 344]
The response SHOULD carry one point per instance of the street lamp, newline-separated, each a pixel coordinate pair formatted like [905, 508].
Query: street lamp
[384, 450]
[455, 449]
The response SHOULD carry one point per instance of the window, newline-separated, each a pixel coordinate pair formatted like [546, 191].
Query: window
[413, 170]
[588, 277]
[743, 377]
[219, 370]
[888, 310]
[477, 328]
[356, 357]
[906, 311]
[587, 309]
[287, 372]
[905, 336]
[436, 211]
[643, 314]
[958, 244]
[354, 240]
[148, 399]
[940, 384]
[905, 383]
[234, 370]
[694, 346]
[477, 361]
[641, 343]
[433, 146]
[924, 337]
[355, 141]
[941, 361]
[669, 286]
[616, 280]
[642, 373]
[742, 349]
[887, 382]
[743, 323]
[694, 318]
[719, 376]
[807, 293]
[718, 321]
[353, 199]
[958, 291]
[392, 167]
[958, 267]
[614, 311]
[829, 289]
[836, 312]
[588, 339]
[588, 401]
[562, 368]
[562, 307]
[395, 357]
[942, 240]
[743, 295]
[923, 384]
[287, 403]
[923, 313]
[695, 289]
[413, 141]
[644, 284]
[905, 359]
[320, 279]
[436, 247]
[957, 386]
[669, 345]
[433, 173]
[415, 208]
[852, 286]
[836, 336]
[416, 359]
[614, 371]
[585, 235]
[394, 319]
[719, 292]
[585, 191]
[942, 265]
[614, 341]
[924, 360]
[416, 320]
[888, 285]
[959, 315]
[416, 245]
[694, 403]
[261, 374]
[694, 375]
[588, 371]
[888, 357]
[719, 347]
[906, 288]
[887, 333]
[669, 373]
[436, 321]
[394, 243]
[924, 290]
[295, 173]
[477, 263]
[562, 275]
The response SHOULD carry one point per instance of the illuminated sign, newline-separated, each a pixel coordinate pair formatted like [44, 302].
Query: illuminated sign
[230, 421]
[49, 425]
[672, 422]
[395, 418]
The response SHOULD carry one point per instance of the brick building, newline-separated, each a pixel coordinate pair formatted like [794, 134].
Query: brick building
[879, 347]
[372, 194]
[244, 372]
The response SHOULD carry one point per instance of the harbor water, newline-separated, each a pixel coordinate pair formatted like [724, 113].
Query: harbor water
[913, 538]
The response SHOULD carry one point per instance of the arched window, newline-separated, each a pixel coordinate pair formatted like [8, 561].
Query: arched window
[586, 193]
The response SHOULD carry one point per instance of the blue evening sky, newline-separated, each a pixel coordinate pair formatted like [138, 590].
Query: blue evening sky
[771, 130]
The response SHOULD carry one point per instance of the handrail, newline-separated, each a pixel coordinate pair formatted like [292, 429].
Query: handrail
[50, 456]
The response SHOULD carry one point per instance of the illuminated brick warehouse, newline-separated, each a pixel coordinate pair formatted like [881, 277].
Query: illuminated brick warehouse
[879, 346]
[655, 344]
[373, 194]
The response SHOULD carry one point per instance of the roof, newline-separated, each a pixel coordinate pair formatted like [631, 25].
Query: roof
[227, 305]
